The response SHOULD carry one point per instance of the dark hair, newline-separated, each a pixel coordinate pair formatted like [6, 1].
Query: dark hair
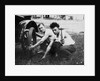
[54, 24]
[40, 24]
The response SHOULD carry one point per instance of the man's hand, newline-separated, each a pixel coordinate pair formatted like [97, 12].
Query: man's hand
[44, 57]
[31, 47]
[45, 54]
[47, 50]
[26, 30]
[62, 41]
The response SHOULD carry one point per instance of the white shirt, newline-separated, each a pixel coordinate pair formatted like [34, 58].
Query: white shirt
[67, 38]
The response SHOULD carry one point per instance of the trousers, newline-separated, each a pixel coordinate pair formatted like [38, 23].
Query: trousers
[61, 50]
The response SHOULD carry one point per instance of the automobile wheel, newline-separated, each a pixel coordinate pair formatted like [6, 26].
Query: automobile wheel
[31, 36]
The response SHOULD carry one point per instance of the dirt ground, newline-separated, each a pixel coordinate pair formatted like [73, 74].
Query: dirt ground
[27, 58]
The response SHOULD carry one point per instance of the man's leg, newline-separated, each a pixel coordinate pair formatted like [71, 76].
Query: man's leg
[66, 51]
[54, 49]
[70, 48]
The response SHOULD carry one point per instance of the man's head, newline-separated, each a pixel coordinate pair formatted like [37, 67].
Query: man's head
[41, 27]
[55, 27]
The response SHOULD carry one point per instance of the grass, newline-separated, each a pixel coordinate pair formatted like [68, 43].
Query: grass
[77, 58]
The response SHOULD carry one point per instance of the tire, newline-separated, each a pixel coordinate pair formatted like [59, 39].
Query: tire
[31, 35]
[28, 40]
[24, 41]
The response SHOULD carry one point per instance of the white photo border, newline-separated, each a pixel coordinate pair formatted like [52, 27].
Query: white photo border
[88, 69]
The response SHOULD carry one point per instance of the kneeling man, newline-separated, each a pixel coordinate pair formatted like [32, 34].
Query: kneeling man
[64, 43]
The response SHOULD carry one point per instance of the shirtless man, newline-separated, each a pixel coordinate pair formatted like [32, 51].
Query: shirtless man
[48, 34]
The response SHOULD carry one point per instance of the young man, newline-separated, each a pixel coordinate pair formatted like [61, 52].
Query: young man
[64, 43]
[48, 34]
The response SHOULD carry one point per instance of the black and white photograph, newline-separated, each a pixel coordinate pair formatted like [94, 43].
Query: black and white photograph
[49, 39]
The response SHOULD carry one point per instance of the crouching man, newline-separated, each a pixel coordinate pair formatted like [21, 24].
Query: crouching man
[63, 44]
[48, 35]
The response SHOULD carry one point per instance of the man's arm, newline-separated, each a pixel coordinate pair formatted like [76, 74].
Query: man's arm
[40, 42]
[48, 49]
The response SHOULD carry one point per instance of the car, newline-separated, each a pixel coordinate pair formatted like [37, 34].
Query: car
[26, 32]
